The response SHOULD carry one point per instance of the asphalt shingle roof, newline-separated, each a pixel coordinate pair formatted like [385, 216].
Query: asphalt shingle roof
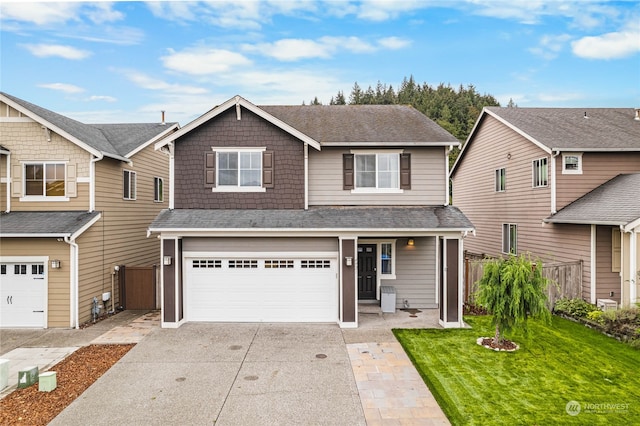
[318, 218]
[345, 124]
[567, 128]
[615, 202]
[109, 139]
[55, 224]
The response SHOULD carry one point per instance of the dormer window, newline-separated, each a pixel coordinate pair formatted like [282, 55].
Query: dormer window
[572, 163]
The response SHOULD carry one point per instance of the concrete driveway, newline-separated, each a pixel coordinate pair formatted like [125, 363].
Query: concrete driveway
[227, 374]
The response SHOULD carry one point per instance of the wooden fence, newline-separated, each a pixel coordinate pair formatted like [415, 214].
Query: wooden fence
[565, 278]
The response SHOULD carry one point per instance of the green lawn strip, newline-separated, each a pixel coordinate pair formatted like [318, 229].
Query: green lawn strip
[555, 364]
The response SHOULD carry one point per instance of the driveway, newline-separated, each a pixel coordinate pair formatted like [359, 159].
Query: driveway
[227, 374]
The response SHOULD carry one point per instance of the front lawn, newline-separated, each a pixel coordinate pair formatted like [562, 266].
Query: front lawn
[556, 367]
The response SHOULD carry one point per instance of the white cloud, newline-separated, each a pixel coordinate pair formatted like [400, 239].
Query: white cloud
[48, 50]
[203, 61]
[559, 97]
[53, 12]
[550, 46]
[62, 87]
[102, 98]
[612, 45]
[383, 10]
[394, 43]
[144, 81]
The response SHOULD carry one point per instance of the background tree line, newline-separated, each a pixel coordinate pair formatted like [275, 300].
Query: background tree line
[454, 110]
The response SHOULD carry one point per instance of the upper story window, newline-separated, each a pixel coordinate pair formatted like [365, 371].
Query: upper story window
[388, 171]
[501, 180]
[158, 190]
[239, 169]
[572, 164]
[540, 172]
[44, 179]
[129, 185]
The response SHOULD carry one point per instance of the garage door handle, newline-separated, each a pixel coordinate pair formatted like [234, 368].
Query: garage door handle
[9, 300]
[38, 278]
[39, 311]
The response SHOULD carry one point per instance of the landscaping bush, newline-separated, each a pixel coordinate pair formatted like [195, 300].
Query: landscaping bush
[625, 322]
[576, 308]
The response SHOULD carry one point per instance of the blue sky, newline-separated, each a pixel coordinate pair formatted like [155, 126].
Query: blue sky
[127, 61]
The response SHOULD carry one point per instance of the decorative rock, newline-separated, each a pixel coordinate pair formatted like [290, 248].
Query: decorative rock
[27, 377]
[4, 373]
[47, 381]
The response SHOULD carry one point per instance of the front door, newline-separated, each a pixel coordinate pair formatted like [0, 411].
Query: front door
[367, 271]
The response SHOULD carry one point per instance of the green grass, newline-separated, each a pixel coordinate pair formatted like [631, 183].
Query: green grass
[555, 364]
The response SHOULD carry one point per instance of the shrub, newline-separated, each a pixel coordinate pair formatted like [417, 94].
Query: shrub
[574, 307]
[595, 316]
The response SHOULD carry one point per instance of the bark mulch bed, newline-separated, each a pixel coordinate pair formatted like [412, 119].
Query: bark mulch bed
[74, 375]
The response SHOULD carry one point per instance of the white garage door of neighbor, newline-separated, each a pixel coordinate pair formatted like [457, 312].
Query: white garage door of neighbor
[275, 289]
[22, 295]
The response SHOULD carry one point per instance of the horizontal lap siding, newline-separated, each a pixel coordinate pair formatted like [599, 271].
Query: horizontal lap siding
[597, 168]
[415, 274]
[265, 245]
[427, 180]
[58, 314]
[120, 236]
[251, 132]
[496, 146]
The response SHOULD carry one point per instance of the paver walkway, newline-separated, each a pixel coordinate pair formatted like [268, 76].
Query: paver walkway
[391, 390]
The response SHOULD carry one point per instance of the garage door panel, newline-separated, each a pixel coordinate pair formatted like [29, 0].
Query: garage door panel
[22, 295]
[263, 290]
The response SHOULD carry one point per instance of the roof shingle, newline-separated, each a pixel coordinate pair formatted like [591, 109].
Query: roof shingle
[53, 223]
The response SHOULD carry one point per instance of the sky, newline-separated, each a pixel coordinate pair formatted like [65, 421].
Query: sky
[108, 62]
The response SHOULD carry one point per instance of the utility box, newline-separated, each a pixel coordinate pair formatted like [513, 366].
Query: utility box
[388, 298]
[47, 381]
[27, 377]
[607, 304]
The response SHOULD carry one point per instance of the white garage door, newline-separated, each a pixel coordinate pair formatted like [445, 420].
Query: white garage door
[22, 295]
[274, 289]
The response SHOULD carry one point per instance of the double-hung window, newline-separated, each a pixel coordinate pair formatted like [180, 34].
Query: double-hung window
[239, 170]
[540, 172]
[510, 238]
[501, 180]
[44, 179]
[129, 185]
[380, 171]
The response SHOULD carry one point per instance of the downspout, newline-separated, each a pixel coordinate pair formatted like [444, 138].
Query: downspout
[446, 175]
[73, 290]
[554, 207]
[92, 183]
[171, 175]
[633, 267]
[9, 183]
[592, 261]
[306, 176]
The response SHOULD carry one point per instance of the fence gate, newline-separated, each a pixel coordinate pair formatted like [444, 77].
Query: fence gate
[139, 287]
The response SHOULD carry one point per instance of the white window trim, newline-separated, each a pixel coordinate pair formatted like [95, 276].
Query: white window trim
[238, 188]
[32, 198]
[157, 199]
[135, 185]
[534, 174]
[509, 225]
[376, 190]
[577, 171]
[394, 254]
[495, 176]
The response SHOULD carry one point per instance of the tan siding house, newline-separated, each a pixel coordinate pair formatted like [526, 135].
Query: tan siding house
[560, 183]
[65, 223]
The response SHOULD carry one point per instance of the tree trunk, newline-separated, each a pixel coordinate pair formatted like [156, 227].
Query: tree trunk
[496, 337]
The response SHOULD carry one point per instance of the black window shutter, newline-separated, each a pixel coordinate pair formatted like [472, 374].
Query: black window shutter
[267, 169]
[405, 171]
[347, 171]
[209, 169]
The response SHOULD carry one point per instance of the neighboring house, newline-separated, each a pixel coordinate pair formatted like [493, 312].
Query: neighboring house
[298, 213]
[560, 183]
[76, 200]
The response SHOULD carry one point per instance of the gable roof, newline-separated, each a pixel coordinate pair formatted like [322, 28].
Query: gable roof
[117, 141]
[615, 202]
[567, 129]
[339, 125]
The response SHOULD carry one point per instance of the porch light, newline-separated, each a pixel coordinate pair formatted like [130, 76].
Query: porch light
[411, 242]
[167, 260]
[55, 264]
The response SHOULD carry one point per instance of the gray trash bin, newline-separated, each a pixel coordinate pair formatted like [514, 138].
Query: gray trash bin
[388, 299]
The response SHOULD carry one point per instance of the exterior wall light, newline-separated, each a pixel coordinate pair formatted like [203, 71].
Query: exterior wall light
[166, 260]
[348, 260]
[55, 264]
[411, 242]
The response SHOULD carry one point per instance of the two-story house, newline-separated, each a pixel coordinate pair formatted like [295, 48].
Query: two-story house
[560, 183]
[76, 200]
[298, 213]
